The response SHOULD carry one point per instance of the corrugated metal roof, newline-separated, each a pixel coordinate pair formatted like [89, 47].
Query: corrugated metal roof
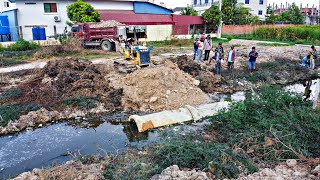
[126, 17]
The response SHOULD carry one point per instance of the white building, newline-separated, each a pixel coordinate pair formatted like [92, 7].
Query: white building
[52, 14]
[6, 5]
[258, 7]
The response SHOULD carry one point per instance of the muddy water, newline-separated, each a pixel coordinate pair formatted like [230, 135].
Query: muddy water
[49, 145]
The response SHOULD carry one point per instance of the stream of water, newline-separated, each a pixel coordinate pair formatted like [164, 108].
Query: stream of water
[44, 147]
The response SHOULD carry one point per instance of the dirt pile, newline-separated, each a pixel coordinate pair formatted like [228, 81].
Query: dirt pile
[42, 117]
[102, 24]
[68, 79]
[282, 172]
[69, 170]
[159, 88]
[173, 172]
[208, 81]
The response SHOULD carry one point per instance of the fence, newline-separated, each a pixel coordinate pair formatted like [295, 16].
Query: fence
[247, 29]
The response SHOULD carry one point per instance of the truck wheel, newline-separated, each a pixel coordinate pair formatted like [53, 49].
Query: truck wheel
[106, 45]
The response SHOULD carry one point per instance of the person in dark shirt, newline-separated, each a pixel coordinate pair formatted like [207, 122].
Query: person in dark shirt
[195, 48]
[253, 55]
[218, 57]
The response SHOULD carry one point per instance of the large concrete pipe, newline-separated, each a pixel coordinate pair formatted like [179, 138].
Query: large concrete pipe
[188, 113]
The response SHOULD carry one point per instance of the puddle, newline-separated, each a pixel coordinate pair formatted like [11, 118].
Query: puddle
[308, 89]
[220, 97]
[47, 146]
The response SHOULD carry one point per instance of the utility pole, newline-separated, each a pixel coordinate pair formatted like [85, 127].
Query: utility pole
[220, 25]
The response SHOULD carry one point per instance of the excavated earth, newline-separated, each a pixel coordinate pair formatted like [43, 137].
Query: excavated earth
[71, 88]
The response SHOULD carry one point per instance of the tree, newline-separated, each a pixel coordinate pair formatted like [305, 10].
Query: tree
[212, 16]
[80, 12]
[228, 10]
[271, 19]
[295, 15]
[269, 10]
[189, 11]
[242, 15]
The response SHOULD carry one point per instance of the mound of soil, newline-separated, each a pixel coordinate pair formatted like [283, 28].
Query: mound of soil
[187, 65]
[160, 88]
[67, 79]
[208, 81]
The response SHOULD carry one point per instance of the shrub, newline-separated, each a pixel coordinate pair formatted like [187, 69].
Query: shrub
[13, 112]
[188, 152]
[294, 33]
[23, 45]
[2, 48]
[289, 122]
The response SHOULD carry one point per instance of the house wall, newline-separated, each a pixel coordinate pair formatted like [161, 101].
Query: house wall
[30, 15]
[12, 23]
[158, 32]
[255, 7]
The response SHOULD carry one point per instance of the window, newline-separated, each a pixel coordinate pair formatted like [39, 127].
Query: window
[260, 12]
[50, 7]
[261, 2]
[206, 1]
[247, 2]
[76, 28]
[195, 2]
[6, 4]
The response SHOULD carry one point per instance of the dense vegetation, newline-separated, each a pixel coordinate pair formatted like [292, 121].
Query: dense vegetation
[292, 16]
[308, 33]
[20, 45]
[294, 34]
[260, 130]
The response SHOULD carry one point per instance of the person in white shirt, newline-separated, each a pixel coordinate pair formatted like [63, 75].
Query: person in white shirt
[207, 47]
[200, 50]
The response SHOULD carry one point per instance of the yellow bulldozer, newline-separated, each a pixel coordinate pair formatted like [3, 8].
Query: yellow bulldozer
[134, 57]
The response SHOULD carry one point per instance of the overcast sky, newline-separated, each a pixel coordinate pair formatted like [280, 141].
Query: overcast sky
[181, 3]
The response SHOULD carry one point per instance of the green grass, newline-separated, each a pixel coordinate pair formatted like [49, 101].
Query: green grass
[11, 93]
[172, 43]
[13, 112]
[275, 44]
[292, 41]
[216, 40]
[83, 102]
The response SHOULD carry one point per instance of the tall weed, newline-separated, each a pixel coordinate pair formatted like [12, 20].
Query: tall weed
[271, 113]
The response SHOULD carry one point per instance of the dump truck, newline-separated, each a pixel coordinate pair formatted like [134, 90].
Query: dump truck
[103, 34]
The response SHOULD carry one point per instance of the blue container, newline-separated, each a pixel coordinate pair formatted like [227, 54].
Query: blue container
[35, 33]
[4, 25]
[42, 32]
[39, 33]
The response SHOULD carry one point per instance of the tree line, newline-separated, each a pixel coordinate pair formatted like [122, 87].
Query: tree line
[233, 12]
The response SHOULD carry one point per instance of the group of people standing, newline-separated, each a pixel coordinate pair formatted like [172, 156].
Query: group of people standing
[206, 45]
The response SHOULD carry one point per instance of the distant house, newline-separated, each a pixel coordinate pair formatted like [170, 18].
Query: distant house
[311, 14]
[158, 21]
[258, 7]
